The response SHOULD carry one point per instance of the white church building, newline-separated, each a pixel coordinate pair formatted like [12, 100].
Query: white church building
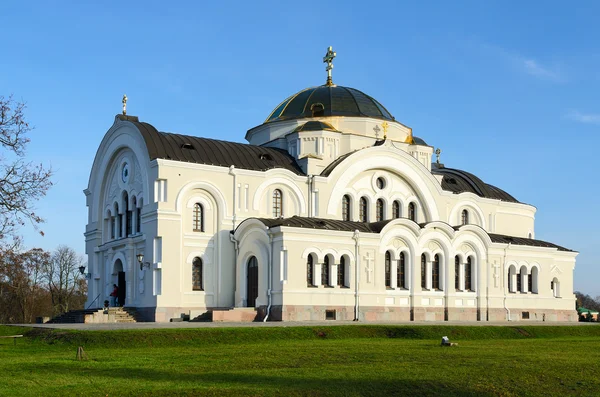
[334, 210]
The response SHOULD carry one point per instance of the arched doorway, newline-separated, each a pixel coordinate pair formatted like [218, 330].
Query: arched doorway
[252, 282]
[120, 281]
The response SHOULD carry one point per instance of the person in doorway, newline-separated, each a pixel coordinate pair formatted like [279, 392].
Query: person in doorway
[113, 295]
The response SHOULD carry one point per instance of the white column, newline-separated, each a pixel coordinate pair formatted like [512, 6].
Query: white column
[461, 277]
[394, 274]
[428, 275]
[333, 275]
[524, 282]
[317, 274]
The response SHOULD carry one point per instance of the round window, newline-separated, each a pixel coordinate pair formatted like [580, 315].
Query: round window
[380, 183]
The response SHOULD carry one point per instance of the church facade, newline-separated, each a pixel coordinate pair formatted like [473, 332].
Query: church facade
[334, 210]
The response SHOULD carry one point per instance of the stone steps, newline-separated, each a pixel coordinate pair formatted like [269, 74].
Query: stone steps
[110, 315]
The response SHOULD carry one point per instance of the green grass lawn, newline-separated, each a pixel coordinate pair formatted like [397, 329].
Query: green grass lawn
[341, 360]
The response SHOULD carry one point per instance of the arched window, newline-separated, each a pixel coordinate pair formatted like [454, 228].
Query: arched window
[555, 285]
[412, 212]
[364, 210]
[435, 273]
[380, 210]
[388, 270]
[401, 271]
[468, 273]
[325, 272]
[198, 219]
[341, 274]
[309, 271]
[277, 203]
[346, 213]
[457, 273]
[396, 209]
[423, 271]
[197, 282]
[464, 219]
[534, 279]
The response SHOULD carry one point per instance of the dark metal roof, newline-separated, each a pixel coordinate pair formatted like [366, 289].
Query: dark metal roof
[500, 238]
[315, 126]
[335, 101]
[324, 224]
[163, 145]
[329, 169]
[376, 227]
[458, 181]
[419, 141]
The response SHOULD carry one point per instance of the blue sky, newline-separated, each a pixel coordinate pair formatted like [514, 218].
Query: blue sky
[507, 90]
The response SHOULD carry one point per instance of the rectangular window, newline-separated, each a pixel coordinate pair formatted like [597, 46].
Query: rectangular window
[341, 273]
[329, 314]
[423, 272]
[113, 226]
[138, 223]
[325, 272]
[457, 273]
[120, 228]
[468, 275]
[519, 282]
[128, 226]
[401, 270]
[529, 282]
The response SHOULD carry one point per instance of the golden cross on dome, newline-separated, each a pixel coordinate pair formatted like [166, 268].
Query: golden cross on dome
[124, 101]
[328, 59]
[438, 151]
[385, 127]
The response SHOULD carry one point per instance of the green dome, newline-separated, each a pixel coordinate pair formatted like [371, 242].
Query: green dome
[324, 101]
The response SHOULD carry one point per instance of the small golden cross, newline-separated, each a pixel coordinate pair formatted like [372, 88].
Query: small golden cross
[124, 101]
[385, 127]
[328, 59]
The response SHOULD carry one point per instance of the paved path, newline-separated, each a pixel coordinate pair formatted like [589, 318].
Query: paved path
[187, 324]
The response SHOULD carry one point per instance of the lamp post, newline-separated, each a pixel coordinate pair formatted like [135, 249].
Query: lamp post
[140, 258]
[83, 273]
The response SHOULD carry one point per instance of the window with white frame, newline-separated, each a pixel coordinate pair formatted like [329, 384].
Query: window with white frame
[277, 203]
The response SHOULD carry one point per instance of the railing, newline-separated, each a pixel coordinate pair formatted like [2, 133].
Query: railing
[14, 337]
[91, 303]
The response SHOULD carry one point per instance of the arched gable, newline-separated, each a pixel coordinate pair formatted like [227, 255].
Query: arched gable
[472, 207]
[298, 197]
[393, 160]
[122, 135]
[210, 189]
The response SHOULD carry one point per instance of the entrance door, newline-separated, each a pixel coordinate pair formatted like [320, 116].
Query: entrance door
[122, 284]
[252, 282]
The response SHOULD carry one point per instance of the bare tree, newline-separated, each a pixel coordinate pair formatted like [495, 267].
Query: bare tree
[23, 295]
[65, 282]
[21, 182]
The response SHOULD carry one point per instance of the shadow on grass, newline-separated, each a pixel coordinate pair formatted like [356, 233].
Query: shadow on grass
[140, 381]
